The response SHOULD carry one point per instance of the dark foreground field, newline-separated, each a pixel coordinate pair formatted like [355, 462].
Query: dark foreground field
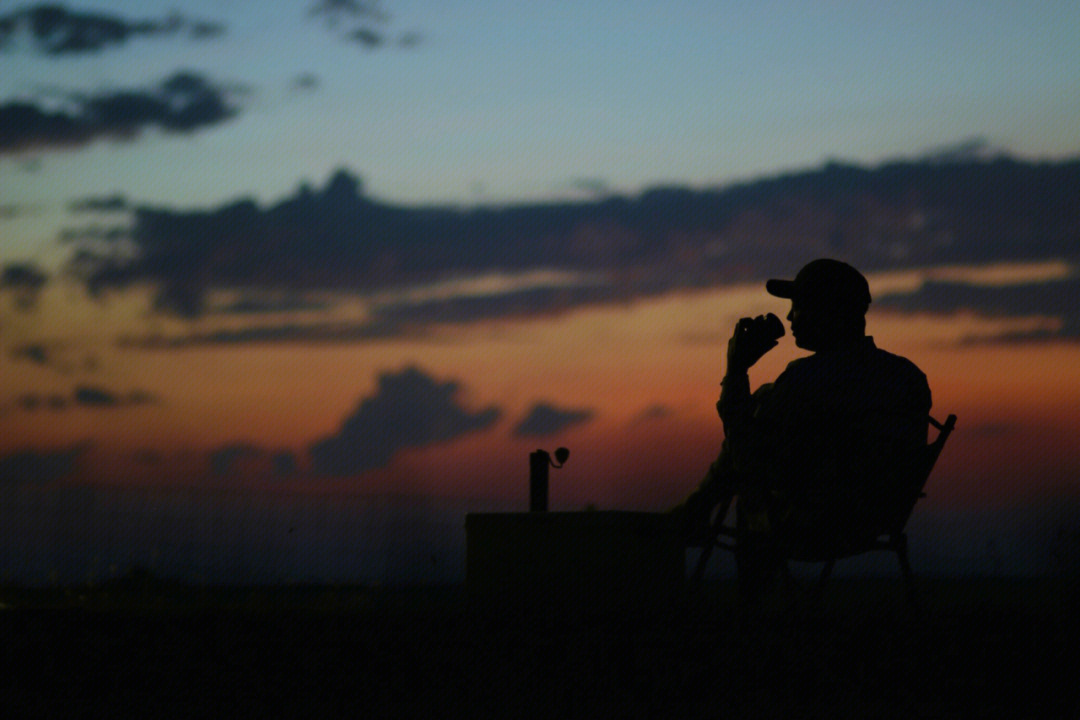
[980, 649]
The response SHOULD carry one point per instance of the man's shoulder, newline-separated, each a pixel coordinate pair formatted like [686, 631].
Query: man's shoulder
[898, 360]
[864, 368]
[899, 365]
[902, 380]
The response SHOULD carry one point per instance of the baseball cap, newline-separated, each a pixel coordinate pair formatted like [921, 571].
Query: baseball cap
[825, 281]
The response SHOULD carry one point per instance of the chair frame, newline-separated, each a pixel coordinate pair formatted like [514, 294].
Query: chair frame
[892, 539]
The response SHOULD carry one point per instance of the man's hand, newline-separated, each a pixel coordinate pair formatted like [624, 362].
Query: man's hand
[748, 343]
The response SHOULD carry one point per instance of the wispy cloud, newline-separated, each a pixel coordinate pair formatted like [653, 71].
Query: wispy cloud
[657, 411]
[366, 37]
[182, 103]
[87, 396]
[305, 82]
[99, 203]
[55, 30]
[361, 22]
[94, 396]
[336, 11]
[10, 211]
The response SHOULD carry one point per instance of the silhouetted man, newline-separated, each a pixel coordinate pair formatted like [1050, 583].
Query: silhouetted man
[814, 455]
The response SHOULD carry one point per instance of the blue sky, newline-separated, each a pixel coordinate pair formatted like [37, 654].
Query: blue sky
[541, 100]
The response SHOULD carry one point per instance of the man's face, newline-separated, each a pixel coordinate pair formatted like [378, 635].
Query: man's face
[805, 325]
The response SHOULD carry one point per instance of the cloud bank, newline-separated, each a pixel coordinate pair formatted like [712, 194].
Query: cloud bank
[1058, 299]
[909, 214]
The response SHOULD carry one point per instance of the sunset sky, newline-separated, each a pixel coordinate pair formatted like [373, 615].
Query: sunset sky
[306, 427]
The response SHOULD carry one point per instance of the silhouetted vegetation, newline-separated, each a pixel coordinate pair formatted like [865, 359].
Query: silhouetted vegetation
[985, 649]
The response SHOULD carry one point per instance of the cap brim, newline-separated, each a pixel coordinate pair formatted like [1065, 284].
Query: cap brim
[781, 288]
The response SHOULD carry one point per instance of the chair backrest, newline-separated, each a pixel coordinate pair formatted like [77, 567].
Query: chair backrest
[905, 502]
[814, 538]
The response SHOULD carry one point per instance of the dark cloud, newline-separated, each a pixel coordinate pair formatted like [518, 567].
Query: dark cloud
[654, 412]
[409, 409]
[55, 30]
[31, 402]
[362, 22]
[284, 463]
[87, 396]
[306, 82]
[99, 203]
[36, 353]
[92, 396]
[22, 275]
[366, 37]
[1058, 299]
[205, 29]
[336, 11]
[547, 419]
[410, 39]
[24, 282]
[222, 460]
[33, 466]
[183, 103]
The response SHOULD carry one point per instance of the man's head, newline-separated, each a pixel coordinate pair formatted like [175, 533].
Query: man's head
[829, 300]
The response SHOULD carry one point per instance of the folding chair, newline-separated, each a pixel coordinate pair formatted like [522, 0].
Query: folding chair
[890, 536]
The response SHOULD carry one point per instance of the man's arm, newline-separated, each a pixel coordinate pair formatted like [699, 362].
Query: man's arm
[735, 406]
[747, 345]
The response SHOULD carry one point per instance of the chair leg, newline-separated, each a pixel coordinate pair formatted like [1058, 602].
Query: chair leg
[900, 546]
[703, 560]
[826, 571]
[706, 552]
[791, 588]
